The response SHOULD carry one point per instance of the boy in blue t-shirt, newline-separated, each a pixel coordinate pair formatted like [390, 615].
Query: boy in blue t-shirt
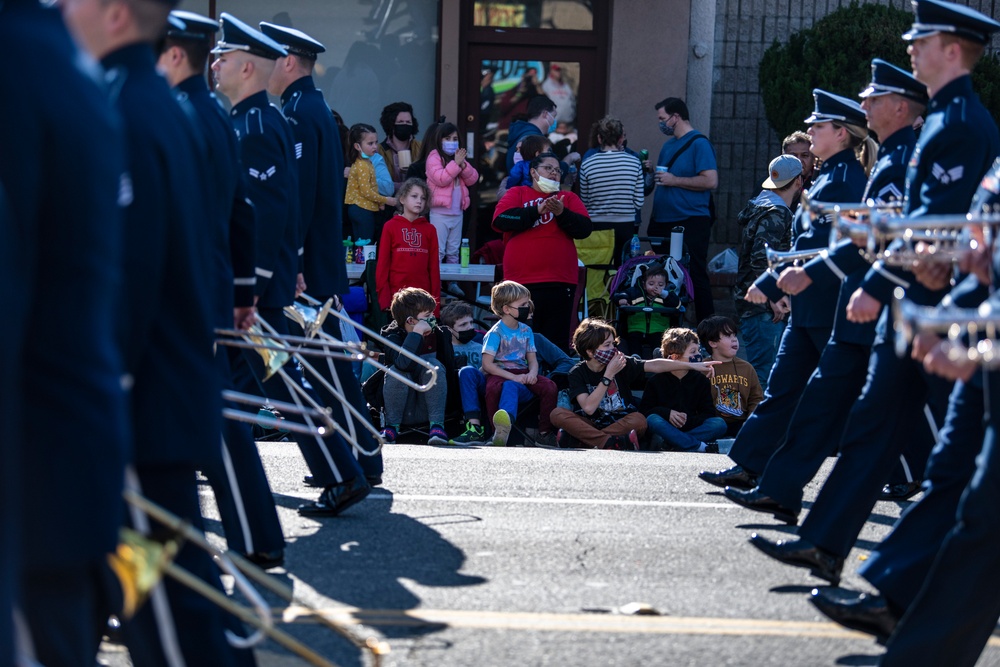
[511, 365]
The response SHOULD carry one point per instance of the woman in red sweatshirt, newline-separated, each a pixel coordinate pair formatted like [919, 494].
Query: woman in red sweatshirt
[539, 224]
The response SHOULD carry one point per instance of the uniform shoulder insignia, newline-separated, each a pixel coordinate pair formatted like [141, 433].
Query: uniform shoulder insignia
[298, 151]
[947, 176]
[262, 174]
[889, 193]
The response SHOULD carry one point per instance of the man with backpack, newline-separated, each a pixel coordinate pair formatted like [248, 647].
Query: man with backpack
[686, 173]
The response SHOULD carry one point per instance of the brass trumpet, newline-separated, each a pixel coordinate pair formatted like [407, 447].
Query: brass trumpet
[979, 324]
[776, 258]
[140, 563]
[940, 237]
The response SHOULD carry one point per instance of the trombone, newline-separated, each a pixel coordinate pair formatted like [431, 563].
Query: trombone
[140, 562]
[277, 349]
[297, 311]
[979, 324]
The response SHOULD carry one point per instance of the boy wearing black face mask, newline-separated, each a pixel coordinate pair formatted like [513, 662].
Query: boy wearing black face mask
[604, 414]
[511, 365]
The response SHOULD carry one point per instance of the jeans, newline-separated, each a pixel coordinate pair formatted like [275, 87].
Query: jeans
[472, 388]
[552, 356]
[689, 441]
[759, 338]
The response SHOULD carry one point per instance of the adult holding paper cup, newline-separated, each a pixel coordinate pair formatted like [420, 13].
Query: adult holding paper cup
[686, 173]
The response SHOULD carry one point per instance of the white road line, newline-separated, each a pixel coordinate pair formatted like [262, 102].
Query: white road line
[550, 501]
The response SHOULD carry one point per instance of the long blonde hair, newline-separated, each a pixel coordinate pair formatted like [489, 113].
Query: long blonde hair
[865, 148]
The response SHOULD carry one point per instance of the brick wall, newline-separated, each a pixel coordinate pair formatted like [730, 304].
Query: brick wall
[744, 142]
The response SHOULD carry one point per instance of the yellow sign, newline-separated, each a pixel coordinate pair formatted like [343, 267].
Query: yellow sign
[499, 15]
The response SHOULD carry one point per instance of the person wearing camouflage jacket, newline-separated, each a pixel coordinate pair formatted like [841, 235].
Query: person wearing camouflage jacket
[767, 223]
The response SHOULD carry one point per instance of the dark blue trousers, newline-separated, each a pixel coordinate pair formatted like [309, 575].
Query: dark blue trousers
[956, 610]
[899, 566]
[887, 420]
[818, 423]
[330, 459]
[175, 618]
[764, 431]
[242, 492]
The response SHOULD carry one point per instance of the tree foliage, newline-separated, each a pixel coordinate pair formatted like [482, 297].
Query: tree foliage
[835, 54]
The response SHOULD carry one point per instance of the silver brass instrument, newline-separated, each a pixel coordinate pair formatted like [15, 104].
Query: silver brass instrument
[940, 237]
[140, 562]
[382, 340]
[814, 210]
[328, 348]
[776, 258]
[979, 324]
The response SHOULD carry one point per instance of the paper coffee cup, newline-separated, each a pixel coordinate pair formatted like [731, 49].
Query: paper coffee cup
[404, 159]
[660, 168]
[369, 253]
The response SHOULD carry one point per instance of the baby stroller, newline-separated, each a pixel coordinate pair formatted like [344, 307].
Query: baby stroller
[643, 319]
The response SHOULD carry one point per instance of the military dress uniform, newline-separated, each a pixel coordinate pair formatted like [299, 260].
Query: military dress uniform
[840, 179]
[867, 421]
[167, 336]
[10, 340]
[65, 231]
[269, 160]
[955, 611]
[246, 506]
[321, 187]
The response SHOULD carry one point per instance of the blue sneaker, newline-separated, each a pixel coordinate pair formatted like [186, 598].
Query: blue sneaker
[501, 428]
[437, 435]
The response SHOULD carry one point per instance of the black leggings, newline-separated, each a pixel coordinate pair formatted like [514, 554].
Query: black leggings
[553, 311]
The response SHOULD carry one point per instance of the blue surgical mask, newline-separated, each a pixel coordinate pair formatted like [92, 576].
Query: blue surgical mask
[449, 147]
[552, 127]
[365, 156]
[666, 129]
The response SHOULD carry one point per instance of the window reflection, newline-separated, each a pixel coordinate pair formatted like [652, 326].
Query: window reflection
[547, 14]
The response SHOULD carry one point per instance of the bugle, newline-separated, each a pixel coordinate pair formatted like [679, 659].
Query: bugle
[776, 258]
[140, 575]
[978, 325]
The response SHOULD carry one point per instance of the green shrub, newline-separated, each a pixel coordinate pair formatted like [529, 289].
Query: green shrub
[835, 55]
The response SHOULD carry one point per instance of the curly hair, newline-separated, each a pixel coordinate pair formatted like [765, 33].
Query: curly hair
[389, 113]
[676, 340]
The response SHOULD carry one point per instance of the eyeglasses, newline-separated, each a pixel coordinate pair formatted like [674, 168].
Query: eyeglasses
[548, 169]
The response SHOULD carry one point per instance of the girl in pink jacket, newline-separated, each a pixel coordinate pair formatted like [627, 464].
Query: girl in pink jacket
[449, 175]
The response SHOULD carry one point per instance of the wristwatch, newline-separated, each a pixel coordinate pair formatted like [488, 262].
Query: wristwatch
[606, 381]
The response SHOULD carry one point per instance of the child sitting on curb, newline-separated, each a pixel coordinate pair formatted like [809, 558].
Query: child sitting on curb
[511, 365]
[735, 387]
[414, 329]
[678, 405]
[604, 414]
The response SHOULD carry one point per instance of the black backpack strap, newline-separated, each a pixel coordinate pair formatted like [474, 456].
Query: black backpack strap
[697, 135]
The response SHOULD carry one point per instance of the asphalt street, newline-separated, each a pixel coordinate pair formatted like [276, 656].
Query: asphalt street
[513, 556]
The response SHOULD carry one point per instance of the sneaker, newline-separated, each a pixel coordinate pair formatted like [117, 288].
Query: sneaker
[437, 435]
[455, 290]
[633, 441]
[712, 447]
[389, 435]
[474, 434]
[565, 441]
[547, 440]
[613, 442]
[501, 428]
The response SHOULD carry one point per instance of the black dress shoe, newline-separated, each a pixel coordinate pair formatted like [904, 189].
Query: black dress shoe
[335, 499]
[309, 480]
[267, 560]
[866, 613]
[737, 477]
[374, 480]
[903, 491]
[754, 500]
[802, 553]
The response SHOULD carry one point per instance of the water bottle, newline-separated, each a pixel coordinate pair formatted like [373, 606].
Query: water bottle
[464, 253]
[643, 156]
[349, 249]
[634, 247]
[359, 252]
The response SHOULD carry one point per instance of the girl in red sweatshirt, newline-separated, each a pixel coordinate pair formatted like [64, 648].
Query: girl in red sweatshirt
[408, 250]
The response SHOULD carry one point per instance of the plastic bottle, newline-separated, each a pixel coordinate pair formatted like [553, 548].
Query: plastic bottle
[349, 250]
[464, 253]
[635, 247]
[359, 252]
